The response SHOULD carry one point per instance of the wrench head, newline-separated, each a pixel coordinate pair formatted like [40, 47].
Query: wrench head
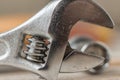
[69, 12]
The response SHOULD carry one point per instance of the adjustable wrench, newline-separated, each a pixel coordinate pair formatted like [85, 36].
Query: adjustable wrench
[41, 44]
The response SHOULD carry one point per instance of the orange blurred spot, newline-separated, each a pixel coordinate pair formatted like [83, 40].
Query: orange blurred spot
[95, 31]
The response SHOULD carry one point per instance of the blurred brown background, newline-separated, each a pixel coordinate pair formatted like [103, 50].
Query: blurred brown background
[15, 12]
[30, 7]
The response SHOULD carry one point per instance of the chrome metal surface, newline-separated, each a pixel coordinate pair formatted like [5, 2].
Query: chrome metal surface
[98, 49]
[54, 22]
[78, 61]
[88, 46]
[36, 49]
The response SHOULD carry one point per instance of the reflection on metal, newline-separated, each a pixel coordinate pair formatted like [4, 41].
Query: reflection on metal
[54, 23]
[35, 48]
[99, 49]
[78, 61]
[89, 47]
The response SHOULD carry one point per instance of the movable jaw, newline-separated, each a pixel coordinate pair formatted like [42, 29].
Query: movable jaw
[51, 25]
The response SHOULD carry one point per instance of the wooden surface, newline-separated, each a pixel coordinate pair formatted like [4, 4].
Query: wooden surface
[8, 22]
